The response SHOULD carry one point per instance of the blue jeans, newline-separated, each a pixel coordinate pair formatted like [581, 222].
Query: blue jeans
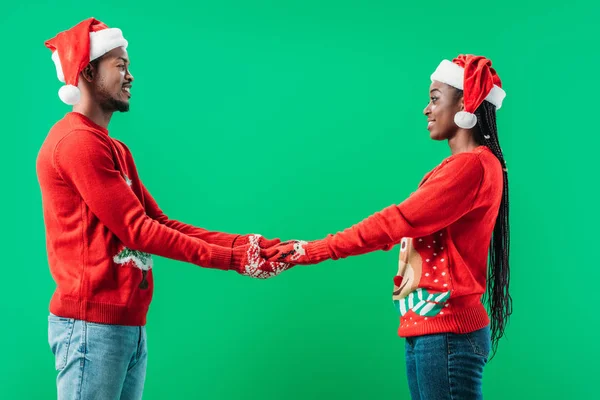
[96, 361]
[447, 366]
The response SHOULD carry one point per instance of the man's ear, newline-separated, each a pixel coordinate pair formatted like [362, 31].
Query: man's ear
[89, 72]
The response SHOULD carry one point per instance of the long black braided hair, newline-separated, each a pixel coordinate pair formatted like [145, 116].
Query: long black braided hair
[497, 295]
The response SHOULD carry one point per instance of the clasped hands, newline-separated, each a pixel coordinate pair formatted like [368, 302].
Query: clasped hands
[263, 259]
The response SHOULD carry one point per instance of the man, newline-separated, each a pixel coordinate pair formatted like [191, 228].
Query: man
[102, 225]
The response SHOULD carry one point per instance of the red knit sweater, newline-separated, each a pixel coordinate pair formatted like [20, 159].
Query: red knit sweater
[102, 225]
[444, 229]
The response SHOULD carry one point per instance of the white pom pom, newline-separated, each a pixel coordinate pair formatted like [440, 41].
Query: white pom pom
[465, 119]
[69, 94]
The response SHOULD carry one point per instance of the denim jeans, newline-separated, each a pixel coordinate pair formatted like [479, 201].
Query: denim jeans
[447, 366]
[97, 361]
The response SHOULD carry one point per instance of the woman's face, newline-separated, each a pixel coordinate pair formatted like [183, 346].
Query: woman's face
[444, 103]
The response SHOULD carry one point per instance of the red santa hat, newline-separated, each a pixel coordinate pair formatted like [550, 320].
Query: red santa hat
[73, 49]
[477, 79]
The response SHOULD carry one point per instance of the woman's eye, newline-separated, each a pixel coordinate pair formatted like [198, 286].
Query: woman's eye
[434, 99]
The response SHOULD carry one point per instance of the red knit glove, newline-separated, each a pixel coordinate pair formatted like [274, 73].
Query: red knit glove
[246, 260]
[263, 242]
[292, 251]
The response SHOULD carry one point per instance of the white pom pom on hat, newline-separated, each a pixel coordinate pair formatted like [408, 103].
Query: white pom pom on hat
[73, 49]
[477, 79]
[69, 94]
[465, 119]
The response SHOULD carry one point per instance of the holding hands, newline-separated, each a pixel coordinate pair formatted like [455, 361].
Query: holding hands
[247, 259]
[263, 259]
[292, 251]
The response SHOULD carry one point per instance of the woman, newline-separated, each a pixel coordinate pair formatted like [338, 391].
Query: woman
[445, 229]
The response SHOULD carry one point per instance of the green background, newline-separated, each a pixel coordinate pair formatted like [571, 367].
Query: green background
[295, 119]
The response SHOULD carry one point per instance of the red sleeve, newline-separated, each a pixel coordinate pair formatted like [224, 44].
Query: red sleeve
[84, 161]
[443, 198]
[217, 238]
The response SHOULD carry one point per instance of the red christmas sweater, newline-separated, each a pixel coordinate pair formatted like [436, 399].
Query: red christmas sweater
[102, 225]
[444, 230]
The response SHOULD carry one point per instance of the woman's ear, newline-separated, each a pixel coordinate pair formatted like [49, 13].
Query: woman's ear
[461, 103]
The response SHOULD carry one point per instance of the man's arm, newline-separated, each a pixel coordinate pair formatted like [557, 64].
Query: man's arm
[154, 212]
[84, 161]
[218, 238]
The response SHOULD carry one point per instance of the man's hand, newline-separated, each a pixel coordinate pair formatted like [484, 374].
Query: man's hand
[265, 243]
[247, 260]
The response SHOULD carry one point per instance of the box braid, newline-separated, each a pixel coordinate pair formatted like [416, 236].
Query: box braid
[497, 295]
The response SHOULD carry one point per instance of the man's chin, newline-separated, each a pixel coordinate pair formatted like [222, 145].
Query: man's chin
[122, 106]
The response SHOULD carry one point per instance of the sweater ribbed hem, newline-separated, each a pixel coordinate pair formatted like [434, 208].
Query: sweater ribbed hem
[463, 321]
[100, 313]
[220, 257]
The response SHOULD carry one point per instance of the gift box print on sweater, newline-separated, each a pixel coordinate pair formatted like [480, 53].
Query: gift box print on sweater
[422, 284]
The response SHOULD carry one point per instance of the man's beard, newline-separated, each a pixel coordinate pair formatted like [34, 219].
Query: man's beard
[110, 104]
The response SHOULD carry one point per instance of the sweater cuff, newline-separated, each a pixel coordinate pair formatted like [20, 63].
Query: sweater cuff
[318, 251]
[220, 257]
[240, 240]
